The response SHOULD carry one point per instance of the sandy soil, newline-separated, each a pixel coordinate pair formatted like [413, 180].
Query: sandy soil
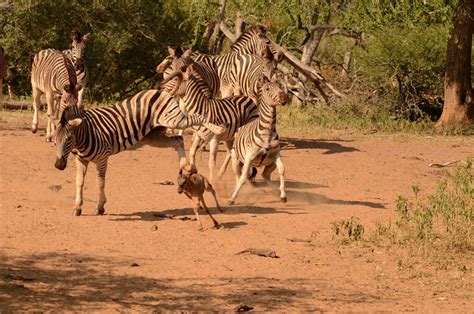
[133, 259]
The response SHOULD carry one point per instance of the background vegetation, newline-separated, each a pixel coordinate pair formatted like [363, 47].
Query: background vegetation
[387, 56]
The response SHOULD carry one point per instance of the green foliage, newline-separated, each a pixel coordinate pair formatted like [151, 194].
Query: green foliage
[445, 221]
[129, 38]
[406, 67]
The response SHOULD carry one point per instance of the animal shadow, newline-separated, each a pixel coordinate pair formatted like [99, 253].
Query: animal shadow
[331, 147]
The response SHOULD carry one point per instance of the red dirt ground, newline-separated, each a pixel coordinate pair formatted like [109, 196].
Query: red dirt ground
[50, 260]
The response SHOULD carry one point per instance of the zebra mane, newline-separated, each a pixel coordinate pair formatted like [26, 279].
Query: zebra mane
[255, 30]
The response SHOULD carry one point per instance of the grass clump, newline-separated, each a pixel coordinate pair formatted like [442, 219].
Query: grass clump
[347, 231]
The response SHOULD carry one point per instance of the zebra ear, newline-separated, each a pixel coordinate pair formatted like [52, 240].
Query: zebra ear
[266, 53]
[187, 54]
[75, 122]
[171, 51]
[279, 56]
[87, 37]
[261, 81]
[78, 87]
[68, 88]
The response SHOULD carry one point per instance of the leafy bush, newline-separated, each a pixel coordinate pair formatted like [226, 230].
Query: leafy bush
[347, 231]
[444, 221]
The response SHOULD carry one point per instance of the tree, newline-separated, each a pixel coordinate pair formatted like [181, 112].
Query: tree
[458, 93]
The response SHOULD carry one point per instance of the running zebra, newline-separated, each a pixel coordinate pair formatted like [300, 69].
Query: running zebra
[78, 58]
[232, 111]
[257, 143]
[52, 74]
[96, 134]
[252, 42]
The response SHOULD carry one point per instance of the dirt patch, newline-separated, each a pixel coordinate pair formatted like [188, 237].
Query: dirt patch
[137, 258]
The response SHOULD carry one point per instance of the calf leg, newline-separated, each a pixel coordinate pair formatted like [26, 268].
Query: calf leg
[49, 126]
[201, 198]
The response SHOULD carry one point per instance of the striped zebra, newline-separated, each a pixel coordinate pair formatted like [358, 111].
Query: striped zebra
[98, 133]
[252, 42]
[78, 58]
[52, 74]
[232, 111]
[257, 143]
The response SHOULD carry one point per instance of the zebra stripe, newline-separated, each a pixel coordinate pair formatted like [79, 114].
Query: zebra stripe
[257, 143]
[96, 134]
[52, 74]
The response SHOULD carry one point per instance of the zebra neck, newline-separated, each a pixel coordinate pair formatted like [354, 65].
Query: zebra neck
[196, 97]
[266, 128]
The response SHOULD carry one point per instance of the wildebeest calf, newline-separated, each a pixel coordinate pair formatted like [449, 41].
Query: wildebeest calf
[193, 185]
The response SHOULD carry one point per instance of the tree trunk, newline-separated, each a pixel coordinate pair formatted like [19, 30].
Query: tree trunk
[458, 94]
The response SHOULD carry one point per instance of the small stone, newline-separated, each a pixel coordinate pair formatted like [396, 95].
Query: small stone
[134, 265]
[154, 228]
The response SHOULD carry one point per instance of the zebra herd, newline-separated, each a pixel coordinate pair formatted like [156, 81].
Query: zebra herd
[244, 118]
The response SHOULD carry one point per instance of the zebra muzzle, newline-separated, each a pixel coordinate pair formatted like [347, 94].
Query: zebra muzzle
[61, 163]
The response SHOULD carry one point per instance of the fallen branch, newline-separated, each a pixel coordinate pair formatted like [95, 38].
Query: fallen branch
[445, 164]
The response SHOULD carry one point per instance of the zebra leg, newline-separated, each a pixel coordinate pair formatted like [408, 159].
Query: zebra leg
[180, 148]
[228, 156]
[49, 126]
[236, 167]
[281, 172]
[101, 170]
[197, 142]
[36, 105]
[81, 170]
[212, 157]
[209, 188]
[179, 121]
[201, 199]
[243, 178]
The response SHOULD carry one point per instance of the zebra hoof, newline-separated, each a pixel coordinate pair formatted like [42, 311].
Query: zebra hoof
[77, 212]
[48, 140]
[283, 199]
[34, 129]
[100, 212]
[231, 202]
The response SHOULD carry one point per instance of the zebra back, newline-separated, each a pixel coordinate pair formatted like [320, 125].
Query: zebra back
[52, 72]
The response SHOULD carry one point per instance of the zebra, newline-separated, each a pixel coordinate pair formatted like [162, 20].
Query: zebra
[96, 134]
[252, 42]
[233, 111]
[52, 74]
[78, 58]
[257, 143]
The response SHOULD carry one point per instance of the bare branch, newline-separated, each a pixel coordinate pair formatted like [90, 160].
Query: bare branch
[307, 71]
[227, 32]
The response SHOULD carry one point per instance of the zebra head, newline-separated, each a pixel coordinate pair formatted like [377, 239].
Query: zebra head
[65, 140]
[176, 59]
[271, 92]
[78, 47]
[255, 41]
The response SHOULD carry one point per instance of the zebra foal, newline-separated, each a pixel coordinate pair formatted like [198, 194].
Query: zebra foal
[96, 134]
[257, 143]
